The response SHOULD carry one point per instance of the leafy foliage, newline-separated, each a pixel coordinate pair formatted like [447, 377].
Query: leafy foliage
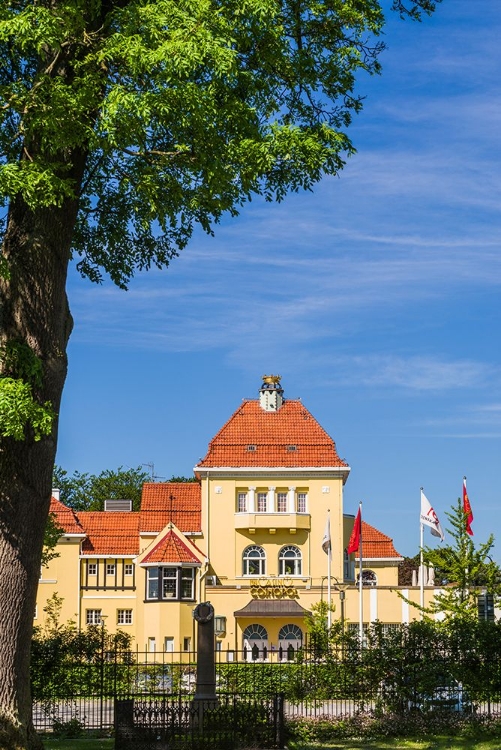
[52, 535]
[67, 662]
[20, 377]
[89, 491]
[183, 110]
[463, 569]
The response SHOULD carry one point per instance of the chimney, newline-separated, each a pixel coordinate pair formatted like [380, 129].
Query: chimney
[56, 493]
[271, 394]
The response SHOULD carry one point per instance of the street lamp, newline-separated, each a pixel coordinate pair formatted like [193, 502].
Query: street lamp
[341, 589]
[103, 634]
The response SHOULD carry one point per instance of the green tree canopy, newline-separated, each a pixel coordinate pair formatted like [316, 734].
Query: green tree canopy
[89, 491]
[463, 569]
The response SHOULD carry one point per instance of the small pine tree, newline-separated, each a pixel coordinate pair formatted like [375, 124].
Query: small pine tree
[462, 570]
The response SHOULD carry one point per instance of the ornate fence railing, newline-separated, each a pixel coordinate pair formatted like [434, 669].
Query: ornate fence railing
[330, 683]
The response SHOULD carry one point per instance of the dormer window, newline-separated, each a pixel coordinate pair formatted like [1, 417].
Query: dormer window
[252, 448]
[291, 448]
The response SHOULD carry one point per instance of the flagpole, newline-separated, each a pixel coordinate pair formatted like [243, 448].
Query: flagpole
[421, 570]
[360, 585]
[329, 568]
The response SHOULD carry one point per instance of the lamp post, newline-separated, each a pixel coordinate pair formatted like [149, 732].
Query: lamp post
[341, 589]
[101, 691]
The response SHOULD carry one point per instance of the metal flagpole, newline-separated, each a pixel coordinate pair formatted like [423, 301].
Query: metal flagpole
[329, 568]
[421, 569]
[360, 585]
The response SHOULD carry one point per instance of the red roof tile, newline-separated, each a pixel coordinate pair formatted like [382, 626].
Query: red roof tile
[66, 517]
[171, 549]
[376, 544]
[289, 437]
[110, 533]
[176, 502]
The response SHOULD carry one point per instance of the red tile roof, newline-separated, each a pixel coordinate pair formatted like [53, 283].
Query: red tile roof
[171, 549]
[66, 517]
[289, 437]
[376, 544]
[110, 533]
[176, 502]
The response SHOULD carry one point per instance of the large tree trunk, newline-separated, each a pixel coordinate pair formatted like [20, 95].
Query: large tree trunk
[33, 310]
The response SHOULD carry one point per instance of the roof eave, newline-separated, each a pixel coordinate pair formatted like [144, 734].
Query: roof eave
[263, 469]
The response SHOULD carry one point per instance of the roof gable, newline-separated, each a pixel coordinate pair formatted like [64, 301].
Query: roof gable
[171, 546]
[65, 517]
[289, 437]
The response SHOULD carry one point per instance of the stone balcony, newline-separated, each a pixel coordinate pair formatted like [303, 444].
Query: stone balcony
[272, 521]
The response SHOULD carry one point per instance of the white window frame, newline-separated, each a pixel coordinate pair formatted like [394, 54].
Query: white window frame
[296, 559]
[187, 576]
[152, 583]
[242, 502]
[93, 616]
[91, 569]
[302, 502]
[252, 554]
[171, 583]
[169, 644]
[128, 569]
[124, 617]
[262, 502]
[111, 569]
[282, 502]
[169, 575]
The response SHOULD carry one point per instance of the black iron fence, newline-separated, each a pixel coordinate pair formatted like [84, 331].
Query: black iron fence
[341, 680]
[226, 723]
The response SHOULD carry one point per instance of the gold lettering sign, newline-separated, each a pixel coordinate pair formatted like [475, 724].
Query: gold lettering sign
[273, 588]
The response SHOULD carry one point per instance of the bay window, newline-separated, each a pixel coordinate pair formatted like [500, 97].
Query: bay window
[170, 583]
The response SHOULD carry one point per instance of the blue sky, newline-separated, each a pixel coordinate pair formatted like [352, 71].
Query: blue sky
[376, 297]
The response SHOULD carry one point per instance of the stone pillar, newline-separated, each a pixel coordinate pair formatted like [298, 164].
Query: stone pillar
[252, 499]
[272, 506]
[291, 496]
[206, 666]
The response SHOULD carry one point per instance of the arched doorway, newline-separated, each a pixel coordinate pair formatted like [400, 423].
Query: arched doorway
[290, 640]
[255, 643]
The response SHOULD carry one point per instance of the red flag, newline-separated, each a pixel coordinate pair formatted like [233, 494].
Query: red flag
[467, 509]
[354, 543]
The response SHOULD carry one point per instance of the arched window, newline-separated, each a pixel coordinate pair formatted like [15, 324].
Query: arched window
[289, 561]
[255, 632]
[290, 633]
[254, 561]
[255, 643]
[369, 578]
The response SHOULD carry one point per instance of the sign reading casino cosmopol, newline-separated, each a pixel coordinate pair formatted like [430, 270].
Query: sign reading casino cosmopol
[273, 588]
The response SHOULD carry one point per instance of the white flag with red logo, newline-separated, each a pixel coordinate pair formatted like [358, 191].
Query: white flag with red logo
[430, 518]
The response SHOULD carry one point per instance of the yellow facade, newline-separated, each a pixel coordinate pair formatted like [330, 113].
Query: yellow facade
[256, 554]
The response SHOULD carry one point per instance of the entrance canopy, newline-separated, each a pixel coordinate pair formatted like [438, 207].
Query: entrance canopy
[282, 608]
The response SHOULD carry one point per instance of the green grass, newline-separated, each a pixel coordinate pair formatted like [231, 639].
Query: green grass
[435, 743]
[87, 743]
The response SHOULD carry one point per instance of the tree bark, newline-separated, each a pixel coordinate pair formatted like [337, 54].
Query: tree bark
[33, 310]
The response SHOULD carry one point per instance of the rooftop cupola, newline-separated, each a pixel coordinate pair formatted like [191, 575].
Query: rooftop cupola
[271, 394]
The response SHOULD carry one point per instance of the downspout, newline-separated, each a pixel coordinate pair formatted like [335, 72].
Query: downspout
[203, 572]
[207, 495]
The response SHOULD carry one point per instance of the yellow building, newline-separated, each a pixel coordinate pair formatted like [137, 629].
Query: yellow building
[246, 536]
